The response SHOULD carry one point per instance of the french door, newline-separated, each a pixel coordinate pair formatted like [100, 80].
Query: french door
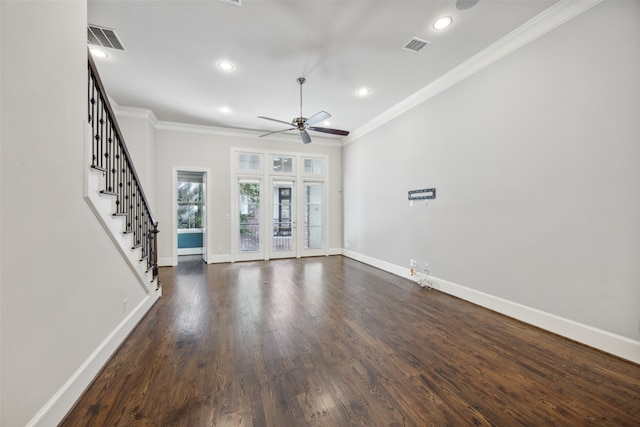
[280, 206]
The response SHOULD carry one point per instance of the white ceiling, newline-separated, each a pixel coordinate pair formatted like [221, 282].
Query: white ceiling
[172, 48]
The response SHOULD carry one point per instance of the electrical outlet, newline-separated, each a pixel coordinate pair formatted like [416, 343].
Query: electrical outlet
[124, 305]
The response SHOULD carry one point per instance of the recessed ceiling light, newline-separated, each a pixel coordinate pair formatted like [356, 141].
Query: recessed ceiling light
[225, 65]
[327, 123]
[363, 91]
[98, 53]
[225, 110]
[442, 23]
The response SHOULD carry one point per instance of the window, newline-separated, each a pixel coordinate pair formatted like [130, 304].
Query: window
[190, 201]
[313, 166]
[249, 162]
[282, 164]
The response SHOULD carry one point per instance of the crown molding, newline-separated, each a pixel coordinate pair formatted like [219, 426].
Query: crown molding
[551, 18]
[143, 113]
[239, 133]
[134, 112]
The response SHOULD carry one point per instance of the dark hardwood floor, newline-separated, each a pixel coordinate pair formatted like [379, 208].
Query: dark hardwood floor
[329, 341]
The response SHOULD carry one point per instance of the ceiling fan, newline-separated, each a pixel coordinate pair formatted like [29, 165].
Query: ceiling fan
[303, 124]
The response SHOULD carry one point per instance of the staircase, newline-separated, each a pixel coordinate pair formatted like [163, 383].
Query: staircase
[113, 188]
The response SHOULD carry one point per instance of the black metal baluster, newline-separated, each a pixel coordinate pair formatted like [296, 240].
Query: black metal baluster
[92, 111]
[134, 214]
[96, 132]
[137, 218]
[123, 182]
[99, 133]
[131, 198]
[155, 253]
[119, 177]
[103, 138]
[147, 242]
[128, 198]
[108, 157]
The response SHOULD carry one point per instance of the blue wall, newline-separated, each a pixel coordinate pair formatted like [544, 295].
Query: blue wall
[189, 240]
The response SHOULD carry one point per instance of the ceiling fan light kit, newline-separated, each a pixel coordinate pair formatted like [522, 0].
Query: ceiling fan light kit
[302, 124]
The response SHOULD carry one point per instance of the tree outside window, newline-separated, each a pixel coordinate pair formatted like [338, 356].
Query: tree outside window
[190, 205]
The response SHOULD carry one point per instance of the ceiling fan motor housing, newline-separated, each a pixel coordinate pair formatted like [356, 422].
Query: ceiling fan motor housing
[299, 122]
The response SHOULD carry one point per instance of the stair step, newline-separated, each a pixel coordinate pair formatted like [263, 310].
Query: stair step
[98, 169]
[134, 247]
[120, 214]
[108, 193]
[128, 231]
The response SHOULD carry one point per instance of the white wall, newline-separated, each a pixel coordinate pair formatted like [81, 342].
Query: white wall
[63, 280]
[200, 147]
[1, 292]
[535, 162]
[139, 132]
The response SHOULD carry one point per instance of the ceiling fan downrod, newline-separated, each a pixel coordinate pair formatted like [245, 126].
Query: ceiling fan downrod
[300, 121]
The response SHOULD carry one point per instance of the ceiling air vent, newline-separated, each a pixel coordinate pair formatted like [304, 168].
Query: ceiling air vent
[105, 37]
[415, 45]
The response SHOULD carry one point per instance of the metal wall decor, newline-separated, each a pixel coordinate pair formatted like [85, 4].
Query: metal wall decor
[424, 194]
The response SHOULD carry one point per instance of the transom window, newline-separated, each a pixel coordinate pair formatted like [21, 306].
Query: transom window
[248, 162]
[312, 166]
[282, 164]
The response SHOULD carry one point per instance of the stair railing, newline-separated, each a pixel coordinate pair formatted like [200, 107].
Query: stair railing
[111, 157]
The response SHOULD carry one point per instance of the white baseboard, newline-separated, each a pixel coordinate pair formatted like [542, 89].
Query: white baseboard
[63, 400]
[334, 251]
[382, 265]
[218, 259]
[189, 251]
[165, 262]
[608, 342]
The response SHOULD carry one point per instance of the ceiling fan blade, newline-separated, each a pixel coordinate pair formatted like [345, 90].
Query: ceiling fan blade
[274, 120]
[329, 130]
[317, 118]
[277, 131]
[305, 136]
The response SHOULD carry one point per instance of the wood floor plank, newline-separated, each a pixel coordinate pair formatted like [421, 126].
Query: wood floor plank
[329, 341]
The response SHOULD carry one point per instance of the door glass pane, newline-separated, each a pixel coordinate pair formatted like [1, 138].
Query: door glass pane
[282, 216]
[313, 216]
[249, 208]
